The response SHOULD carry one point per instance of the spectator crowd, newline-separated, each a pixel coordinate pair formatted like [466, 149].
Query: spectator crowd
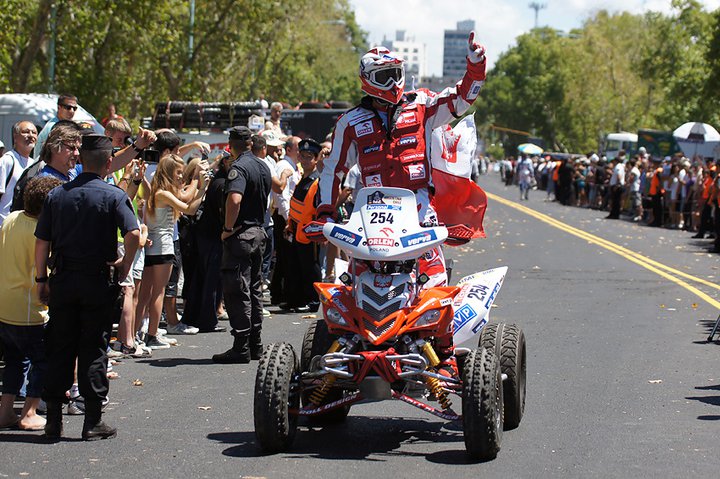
[672, 192]
[179, 271]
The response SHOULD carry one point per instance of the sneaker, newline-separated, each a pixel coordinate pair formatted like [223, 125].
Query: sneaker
[182, 328]
[113, 354]
[76, 407]
[266, 313]
[153, 342]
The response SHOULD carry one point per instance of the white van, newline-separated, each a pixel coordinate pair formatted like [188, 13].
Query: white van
[614, 142]
[38, 108]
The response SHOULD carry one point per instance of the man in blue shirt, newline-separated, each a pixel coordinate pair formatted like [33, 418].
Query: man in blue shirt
[67, 106]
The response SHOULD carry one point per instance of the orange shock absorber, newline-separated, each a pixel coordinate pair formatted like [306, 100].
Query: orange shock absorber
[328, 380]
[433, 384]
[442, 396]
[319, 394]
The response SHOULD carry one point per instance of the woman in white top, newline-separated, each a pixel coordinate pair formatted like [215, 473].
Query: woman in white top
[163, 210]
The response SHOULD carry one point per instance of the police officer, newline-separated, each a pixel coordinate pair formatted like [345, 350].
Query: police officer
[246, 190]
[77, 229]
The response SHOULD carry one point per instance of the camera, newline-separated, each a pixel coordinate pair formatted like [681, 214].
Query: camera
[150, 156]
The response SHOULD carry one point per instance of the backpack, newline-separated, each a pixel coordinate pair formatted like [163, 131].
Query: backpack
[29, 173]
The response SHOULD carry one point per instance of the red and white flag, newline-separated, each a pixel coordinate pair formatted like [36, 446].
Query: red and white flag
[457, 200]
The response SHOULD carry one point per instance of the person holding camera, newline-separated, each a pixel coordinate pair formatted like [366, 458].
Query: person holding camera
[79, 225]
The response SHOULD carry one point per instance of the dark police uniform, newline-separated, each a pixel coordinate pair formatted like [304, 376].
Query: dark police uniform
[242, 252]
[80, 219]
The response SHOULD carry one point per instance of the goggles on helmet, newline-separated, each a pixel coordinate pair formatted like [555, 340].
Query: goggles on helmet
[387, 77]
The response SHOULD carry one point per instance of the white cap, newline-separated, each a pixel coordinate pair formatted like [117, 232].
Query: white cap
[271, 138]
[2, 145]
[642, 150]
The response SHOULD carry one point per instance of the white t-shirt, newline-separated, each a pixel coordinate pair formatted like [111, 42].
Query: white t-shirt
[682, 177]
[270, 163]
[282, 200]
[14, 162]
[618, 176]
[635, 186]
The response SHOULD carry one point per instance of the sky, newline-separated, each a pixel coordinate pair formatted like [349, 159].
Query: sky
[497, 22]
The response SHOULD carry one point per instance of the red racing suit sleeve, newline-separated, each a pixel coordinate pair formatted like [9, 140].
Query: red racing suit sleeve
[442, 108]
[343, 156]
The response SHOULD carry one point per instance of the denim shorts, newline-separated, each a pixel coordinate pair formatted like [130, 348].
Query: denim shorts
[21, 343]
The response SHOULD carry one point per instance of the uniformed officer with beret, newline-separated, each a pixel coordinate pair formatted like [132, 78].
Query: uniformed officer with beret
[77, 236]
[246, 195]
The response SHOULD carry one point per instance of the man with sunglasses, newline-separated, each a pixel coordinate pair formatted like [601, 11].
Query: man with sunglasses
[67, 106]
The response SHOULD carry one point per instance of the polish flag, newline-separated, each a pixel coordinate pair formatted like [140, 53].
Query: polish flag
[457, 200]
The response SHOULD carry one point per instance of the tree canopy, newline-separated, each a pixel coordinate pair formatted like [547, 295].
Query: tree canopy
[136, 53]
[618, 72]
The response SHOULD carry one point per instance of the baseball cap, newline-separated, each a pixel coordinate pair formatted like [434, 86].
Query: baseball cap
[271, 138]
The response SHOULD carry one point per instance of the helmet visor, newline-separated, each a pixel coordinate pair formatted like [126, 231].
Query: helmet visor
[387, 77]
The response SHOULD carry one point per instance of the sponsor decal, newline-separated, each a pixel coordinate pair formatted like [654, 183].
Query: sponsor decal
[376, 198]
[383, 207]
[417, 172]
[491, 298]
[373, 180]
[407, 140]
[382, 281]
[407, 118]
[371, 149]
[462, 316]
[381, 242]
[344, 235]
[364, 128]
[474, 89]
[446, 302]
[480, 324]
[387, 232]
[413, 156]
[339, 305]
[418, 238]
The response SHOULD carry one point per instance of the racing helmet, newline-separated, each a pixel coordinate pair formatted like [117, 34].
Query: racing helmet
[382, 75]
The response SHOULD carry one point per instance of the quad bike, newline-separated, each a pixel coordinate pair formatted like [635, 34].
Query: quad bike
[381, 334]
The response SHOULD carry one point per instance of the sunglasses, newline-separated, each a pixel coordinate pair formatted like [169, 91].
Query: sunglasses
[69, 107]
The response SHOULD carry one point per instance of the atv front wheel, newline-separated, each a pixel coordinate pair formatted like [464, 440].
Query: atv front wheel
[508, 342]
[276, 393]
[482, 404]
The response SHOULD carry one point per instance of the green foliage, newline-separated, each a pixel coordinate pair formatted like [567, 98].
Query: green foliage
[135, 53]
[617, 72]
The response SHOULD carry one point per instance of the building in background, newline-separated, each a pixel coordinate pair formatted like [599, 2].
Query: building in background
[412, 52]
[455, 49]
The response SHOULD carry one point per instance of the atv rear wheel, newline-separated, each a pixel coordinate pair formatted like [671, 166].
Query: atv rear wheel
[508, 342]
[316, 342]
[276, 393]
[482, 404]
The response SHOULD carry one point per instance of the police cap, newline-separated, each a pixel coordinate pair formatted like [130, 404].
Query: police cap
[308, 144]
[96, 142]
[242, 133]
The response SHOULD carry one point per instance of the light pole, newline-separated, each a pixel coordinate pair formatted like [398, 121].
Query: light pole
[537, 7]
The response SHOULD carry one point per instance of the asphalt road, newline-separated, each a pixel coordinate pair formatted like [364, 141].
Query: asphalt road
[620, 380]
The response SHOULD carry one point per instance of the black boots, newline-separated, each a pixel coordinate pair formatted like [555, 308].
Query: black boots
[256, 346]
[238, 354]
[93, 427]
[54, 424]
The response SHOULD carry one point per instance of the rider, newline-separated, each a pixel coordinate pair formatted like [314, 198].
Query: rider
[388, 136]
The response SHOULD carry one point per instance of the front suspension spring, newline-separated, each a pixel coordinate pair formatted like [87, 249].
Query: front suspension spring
[319, 394]
[442, 396]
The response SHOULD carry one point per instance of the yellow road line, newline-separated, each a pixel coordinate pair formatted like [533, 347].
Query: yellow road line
[630, 255]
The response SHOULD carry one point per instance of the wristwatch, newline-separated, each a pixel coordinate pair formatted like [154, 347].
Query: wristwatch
[44, 279]
[227, 230]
